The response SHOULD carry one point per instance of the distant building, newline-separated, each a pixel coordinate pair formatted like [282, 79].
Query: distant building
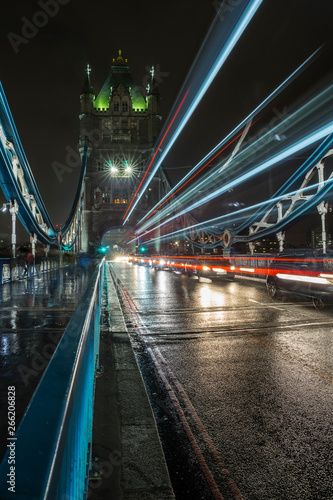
[121, 125]
[316, 238]
[267, 245]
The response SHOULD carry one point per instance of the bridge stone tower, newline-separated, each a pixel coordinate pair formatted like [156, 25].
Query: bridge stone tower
[121, 127]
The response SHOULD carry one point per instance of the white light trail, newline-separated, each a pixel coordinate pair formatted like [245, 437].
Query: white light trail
[302, 113]
[295, 148]
[234, 216]
[300, 116]
[221, 58]
[302, 278]
[257, 110]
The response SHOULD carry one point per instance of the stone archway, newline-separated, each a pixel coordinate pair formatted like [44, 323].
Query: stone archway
[116, 238]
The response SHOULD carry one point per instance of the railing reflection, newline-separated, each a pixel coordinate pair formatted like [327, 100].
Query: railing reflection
[53, 443]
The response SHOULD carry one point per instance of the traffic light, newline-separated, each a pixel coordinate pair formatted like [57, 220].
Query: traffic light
[102, 249]
[142, 249]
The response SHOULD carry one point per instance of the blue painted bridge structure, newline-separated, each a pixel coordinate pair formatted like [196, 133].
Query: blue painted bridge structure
[49, 456]
[58, 422]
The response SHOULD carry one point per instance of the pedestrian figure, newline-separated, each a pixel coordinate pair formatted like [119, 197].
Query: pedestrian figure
[38, 262]
[12, 267]
[21, 258]
[30, 265]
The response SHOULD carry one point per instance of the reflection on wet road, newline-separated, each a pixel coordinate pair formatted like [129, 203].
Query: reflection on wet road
[253, 375]
[33, 316]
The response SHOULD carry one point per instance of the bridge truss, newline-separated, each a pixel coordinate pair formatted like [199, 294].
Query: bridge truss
[304, 191]
[21, 192]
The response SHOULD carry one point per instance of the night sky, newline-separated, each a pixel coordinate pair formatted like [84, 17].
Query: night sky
[43, 80]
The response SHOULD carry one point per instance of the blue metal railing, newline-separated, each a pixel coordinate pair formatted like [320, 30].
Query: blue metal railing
[4, 269]
[52, 446]
[9, 273]
[12, 186]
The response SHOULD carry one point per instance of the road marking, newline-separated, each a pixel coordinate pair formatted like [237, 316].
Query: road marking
[176, 390]
[271, 306]
[199, 424]
[203, 464]
[229, 330]
[155, 353]
[199, 310]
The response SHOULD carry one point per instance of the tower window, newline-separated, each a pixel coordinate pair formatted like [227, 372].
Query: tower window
[125, 106]
[116, 106]
[106, 198]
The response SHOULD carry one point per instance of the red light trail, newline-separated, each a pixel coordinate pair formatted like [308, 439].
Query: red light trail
[204, 166]
[157, 149]
[190, 263]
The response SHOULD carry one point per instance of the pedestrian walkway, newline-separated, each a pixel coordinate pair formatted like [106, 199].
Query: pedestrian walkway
[127, 456]
[33, 316]
[128, 460]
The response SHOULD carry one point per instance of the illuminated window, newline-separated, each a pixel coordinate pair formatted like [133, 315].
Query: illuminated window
[117, 200]
[124, 200]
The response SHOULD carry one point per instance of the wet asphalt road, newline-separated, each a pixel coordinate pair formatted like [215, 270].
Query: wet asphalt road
[243, 383]
[33, 316]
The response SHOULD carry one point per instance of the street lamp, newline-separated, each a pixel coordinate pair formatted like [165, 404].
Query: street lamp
[13, 209]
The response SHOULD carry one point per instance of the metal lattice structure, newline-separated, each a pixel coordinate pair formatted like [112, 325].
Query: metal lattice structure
[21, 192]
[305, 191]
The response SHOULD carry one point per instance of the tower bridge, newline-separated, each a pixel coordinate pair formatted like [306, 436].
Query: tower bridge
[122, 127]
[119, 205]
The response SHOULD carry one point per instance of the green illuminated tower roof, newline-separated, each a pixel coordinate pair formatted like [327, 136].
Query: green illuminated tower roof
[120, 74]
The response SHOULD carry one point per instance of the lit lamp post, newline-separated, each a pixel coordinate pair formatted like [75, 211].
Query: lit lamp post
[33, 241]
[128, 172]
[113, 171]
[13, 210]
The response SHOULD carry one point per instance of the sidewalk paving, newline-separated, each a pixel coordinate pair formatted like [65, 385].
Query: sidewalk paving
[130, 463]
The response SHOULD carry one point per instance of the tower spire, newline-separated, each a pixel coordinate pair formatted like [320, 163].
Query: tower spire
[87, 88]
[152, 87]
